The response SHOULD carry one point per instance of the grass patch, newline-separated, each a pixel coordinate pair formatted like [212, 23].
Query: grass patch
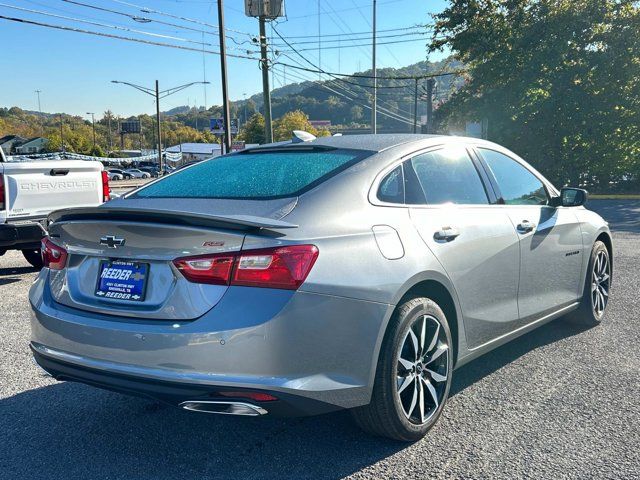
[621, 196]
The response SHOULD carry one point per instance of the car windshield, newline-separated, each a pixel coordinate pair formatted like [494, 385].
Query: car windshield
[254, 175]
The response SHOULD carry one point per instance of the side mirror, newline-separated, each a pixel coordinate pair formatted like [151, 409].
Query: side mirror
[571, 197]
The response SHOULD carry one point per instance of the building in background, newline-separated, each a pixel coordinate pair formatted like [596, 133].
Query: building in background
[8, 143]
[194, 152]
[31, 146]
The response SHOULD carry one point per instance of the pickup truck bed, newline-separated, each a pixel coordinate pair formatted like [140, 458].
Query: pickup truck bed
[31, 190]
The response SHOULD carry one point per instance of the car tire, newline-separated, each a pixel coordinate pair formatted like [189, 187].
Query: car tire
[33, 257]
[413, 375]
[597, 288]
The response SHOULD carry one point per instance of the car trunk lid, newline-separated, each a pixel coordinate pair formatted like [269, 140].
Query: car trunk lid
[149, 238]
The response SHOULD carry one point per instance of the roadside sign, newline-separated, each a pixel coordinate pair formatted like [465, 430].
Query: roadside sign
[216, 125]
[237, 145]
[130, 126]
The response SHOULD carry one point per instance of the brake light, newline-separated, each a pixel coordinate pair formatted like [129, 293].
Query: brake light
[106, 191]
[1, 192]
[53, 256]
[279, 267]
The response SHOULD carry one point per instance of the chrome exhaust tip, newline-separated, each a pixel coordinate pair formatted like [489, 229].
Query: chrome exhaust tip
[223, 407]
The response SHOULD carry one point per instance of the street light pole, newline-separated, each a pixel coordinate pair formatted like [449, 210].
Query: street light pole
[223, 71]
[157, 94]
[93, 125]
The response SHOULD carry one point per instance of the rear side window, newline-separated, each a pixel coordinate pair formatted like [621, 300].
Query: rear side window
[518, 185]
[448, 175]
[258, 175]
[392, 187]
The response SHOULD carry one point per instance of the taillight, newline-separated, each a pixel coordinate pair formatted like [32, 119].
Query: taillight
[53, 256]
[1, 192]
[213, 269]
[279, 267]
[106, 191]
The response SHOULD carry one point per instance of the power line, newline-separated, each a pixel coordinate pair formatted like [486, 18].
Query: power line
[344, 9]
[131, 16]
[177, 17]
[400, 77]
[346, 34]
[103, 25]
[409, 34]
[383, 111]
[119, 37]
[363, 45]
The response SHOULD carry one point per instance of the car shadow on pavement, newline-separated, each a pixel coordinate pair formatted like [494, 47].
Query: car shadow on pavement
[4, 272]
[67, 430]
[622, 215]
[488, 363]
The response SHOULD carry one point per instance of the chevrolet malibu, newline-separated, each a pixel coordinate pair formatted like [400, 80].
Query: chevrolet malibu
[301, 278]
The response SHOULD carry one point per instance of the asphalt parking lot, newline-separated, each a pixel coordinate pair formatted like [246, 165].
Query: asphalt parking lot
[560, 402]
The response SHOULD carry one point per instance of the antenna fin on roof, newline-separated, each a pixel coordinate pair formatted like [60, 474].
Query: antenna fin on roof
[300, 136]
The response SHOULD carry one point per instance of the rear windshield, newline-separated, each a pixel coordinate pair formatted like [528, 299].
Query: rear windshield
[259, 175]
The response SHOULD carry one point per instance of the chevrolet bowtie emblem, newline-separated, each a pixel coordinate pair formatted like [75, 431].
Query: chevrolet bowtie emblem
[112, 241]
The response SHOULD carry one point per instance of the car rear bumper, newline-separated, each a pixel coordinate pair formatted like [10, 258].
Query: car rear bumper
[315, 353]
[21, 235]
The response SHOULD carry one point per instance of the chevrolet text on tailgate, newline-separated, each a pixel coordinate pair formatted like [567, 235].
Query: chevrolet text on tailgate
[31, 190]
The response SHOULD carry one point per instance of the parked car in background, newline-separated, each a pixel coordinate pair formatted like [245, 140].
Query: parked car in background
[351, 272]
[153, 171]
[30, 190]
[137, 173]
[115, 174]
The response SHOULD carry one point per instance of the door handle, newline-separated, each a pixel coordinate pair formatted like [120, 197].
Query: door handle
[446, 234]
[526, 226]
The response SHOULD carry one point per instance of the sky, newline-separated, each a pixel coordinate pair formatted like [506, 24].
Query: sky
[74, 70]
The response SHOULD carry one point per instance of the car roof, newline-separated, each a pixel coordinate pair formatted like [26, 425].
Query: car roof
[368, 142]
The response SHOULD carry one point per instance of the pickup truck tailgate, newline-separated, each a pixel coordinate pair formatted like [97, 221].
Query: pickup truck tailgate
[35, 188]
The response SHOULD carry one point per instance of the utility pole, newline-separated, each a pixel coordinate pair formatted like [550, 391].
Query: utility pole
[245, 107]
[61, 133]
[93, 126]
[40, 112]
[415, 107]
[319, 43]
[223, 71]
[374, 107]
[430, 86]
[109, 130]
[266, 93]
[38, 92]
[159, 128]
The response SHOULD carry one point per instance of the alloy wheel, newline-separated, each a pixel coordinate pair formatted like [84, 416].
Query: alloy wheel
[600, 283]
[423, 369]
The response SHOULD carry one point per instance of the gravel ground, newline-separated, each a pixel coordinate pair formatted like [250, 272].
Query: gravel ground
[560, 402]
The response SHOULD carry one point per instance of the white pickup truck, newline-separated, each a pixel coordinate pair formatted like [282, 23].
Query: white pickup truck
[30, 190]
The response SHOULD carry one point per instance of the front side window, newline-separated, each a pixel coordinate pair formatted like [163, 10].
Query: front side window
[447, 175]
[517, 184]
[254, 175]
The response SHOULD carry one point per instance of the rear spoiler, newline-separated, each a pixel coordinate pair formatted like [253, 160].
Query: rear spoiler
[233, 222]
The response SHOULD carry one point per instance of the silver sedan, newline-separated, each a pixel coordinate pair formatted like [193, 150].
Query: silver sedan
[351, 272]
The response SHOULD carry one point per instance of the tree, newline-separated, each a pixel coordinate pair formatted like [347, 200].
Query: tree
[557, 80]
[356, 113]
[253, 130]
[284, 126]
